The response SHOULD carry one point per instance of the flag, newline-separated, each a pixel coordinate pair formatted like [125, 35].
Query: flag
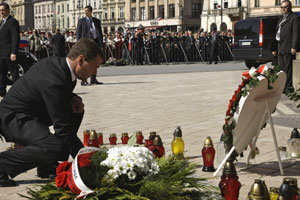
[160, 18]
[23, 42]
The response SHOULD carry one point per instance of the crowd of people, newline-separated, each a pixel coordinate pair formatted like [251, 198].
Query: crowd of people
[142, 46]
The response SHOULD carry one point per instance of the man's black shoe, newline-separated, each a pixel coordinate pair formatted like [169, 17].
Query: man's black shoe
[84, 83]
[96, 82]
[47, 171]
[5, 181]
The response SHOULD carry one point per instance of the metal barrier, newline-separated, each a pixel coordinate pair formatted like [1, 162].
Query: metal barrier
[157, 51]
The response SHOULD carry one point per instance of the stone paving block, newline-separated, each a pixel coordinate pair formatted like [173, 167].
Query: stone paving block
[195, 101]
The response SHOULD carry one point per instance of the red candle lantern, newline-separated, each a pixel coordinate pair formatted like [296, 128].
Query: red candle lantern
[158, 148]
[124, 138]
[113, 139]
[139, 137]
[208, 155]
[93, 141]
[152, 135]
[100, 138]
[148, 143]
[86, 137]
[229, 184]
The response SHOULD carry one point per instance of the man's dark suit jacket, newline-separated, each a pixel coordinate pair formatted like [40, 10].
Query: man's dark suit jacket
[289, 34]
[58, 42]
[9, 37]
[44, 93]
[83, 30]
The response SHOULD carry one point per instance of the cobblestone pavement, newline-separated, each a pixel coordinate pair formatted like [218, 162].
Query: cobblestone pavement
[195, 101]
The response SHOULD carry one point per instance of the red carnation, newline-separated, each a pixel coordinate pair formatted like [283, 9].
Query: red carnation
[64, 166]
[84, 159]
[61, 180]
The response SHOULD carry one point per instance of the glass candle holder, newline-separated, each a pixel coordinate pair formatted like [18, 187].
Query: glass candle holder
[139, 137]
[86, 137]
[113, 139]
[124, 138]
[100, 138]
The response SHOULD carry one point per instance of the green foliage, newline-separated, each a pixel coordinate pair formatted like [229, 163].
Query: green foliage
[294, 95]
[93, 174]
[174, 181]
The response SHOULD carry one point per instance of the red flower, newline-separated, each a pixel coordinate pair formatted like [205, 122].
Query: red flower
[239, 90]
[63, 167]
[61, 180]
[84, 159]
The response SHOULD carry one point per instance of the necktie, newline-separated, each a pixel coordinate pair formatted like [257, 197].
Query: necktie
[1, 23]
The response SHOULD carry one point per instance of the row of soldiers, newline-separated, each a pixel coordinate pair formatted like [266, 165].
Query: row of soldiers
[154, 47]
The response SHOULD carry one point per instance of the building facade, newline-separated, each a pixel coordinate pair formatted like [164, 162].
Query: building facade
[163, 14]
[22, 10]
[44, 17]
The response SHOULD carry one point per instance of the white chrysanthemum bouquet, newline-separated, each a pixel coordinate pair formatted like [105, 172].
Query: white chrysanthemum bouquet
[130, 161]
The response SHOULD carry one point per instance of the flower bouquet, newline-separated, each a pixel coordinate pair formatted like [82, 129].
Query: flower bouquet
[251, 80]
[125, 173]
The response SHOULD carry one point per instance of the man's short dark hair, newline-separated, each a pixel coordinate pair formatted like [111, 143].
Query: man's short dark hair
[86, 47]
[89, 7]
[287, 1]
[5, 5]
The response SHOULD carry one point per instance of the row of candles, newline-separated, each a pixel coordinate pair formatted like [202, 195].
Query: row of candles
[229, 183]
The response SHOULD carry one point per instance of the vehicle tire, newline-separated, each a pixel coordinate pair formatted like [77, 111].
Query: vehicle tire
[21, 70]
[251, 63]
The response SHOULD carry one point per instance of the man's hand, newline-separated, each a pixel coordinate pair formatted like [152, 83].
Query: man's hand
[274, 53]
[13, 57]
[77, 105]
[293, 51]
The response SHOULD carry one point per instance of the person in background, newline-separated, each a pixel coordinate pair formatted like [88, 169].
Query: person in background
[90, 27]
[287, 39]
[58, 43]
[9, 43]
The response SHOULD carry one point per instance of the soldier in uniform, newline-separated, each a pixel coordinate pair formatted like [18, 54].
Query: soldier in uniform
[139, 45]
[155, 46]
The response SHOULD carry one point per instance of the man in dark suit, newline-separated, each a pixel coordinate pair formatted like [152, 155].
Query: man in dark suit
[287, 37]
[41, 98]
[58, 43]
[90, 27]
[9, 43]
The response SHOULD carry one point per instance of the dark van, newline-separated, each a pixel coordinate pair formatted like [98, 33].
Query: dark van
[253, 40]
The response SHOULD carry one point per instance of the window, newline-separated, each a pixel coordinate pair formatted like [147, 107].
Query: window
[58, 23]
[151, 12]
[133, 1]
[95, 6]
[73, 20]
[143, 13]
[58, 9]
[297, 3]
[63, 8]
[63, 23]
[121, 12]
[239, 3]
[133, 14]
[215, 5]
[68, 22]
[100, 4]
[196, 10]
[278, 2]
[105, 13]
[112, 13]
[226, 4]
[68, 9]
[256, 3]
[171, 10]
[162, 11]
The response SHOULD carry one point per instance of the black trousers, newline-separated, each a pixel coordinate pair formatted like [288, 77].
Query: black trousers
[285, 62]
[5, 65]
[41, 147]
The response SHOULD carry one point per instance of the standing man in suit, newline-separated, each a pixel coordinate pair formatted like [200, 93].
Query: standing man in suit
[287, 37]
[58, 43]
[9, 43]
[44, 97]
[90, 27]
